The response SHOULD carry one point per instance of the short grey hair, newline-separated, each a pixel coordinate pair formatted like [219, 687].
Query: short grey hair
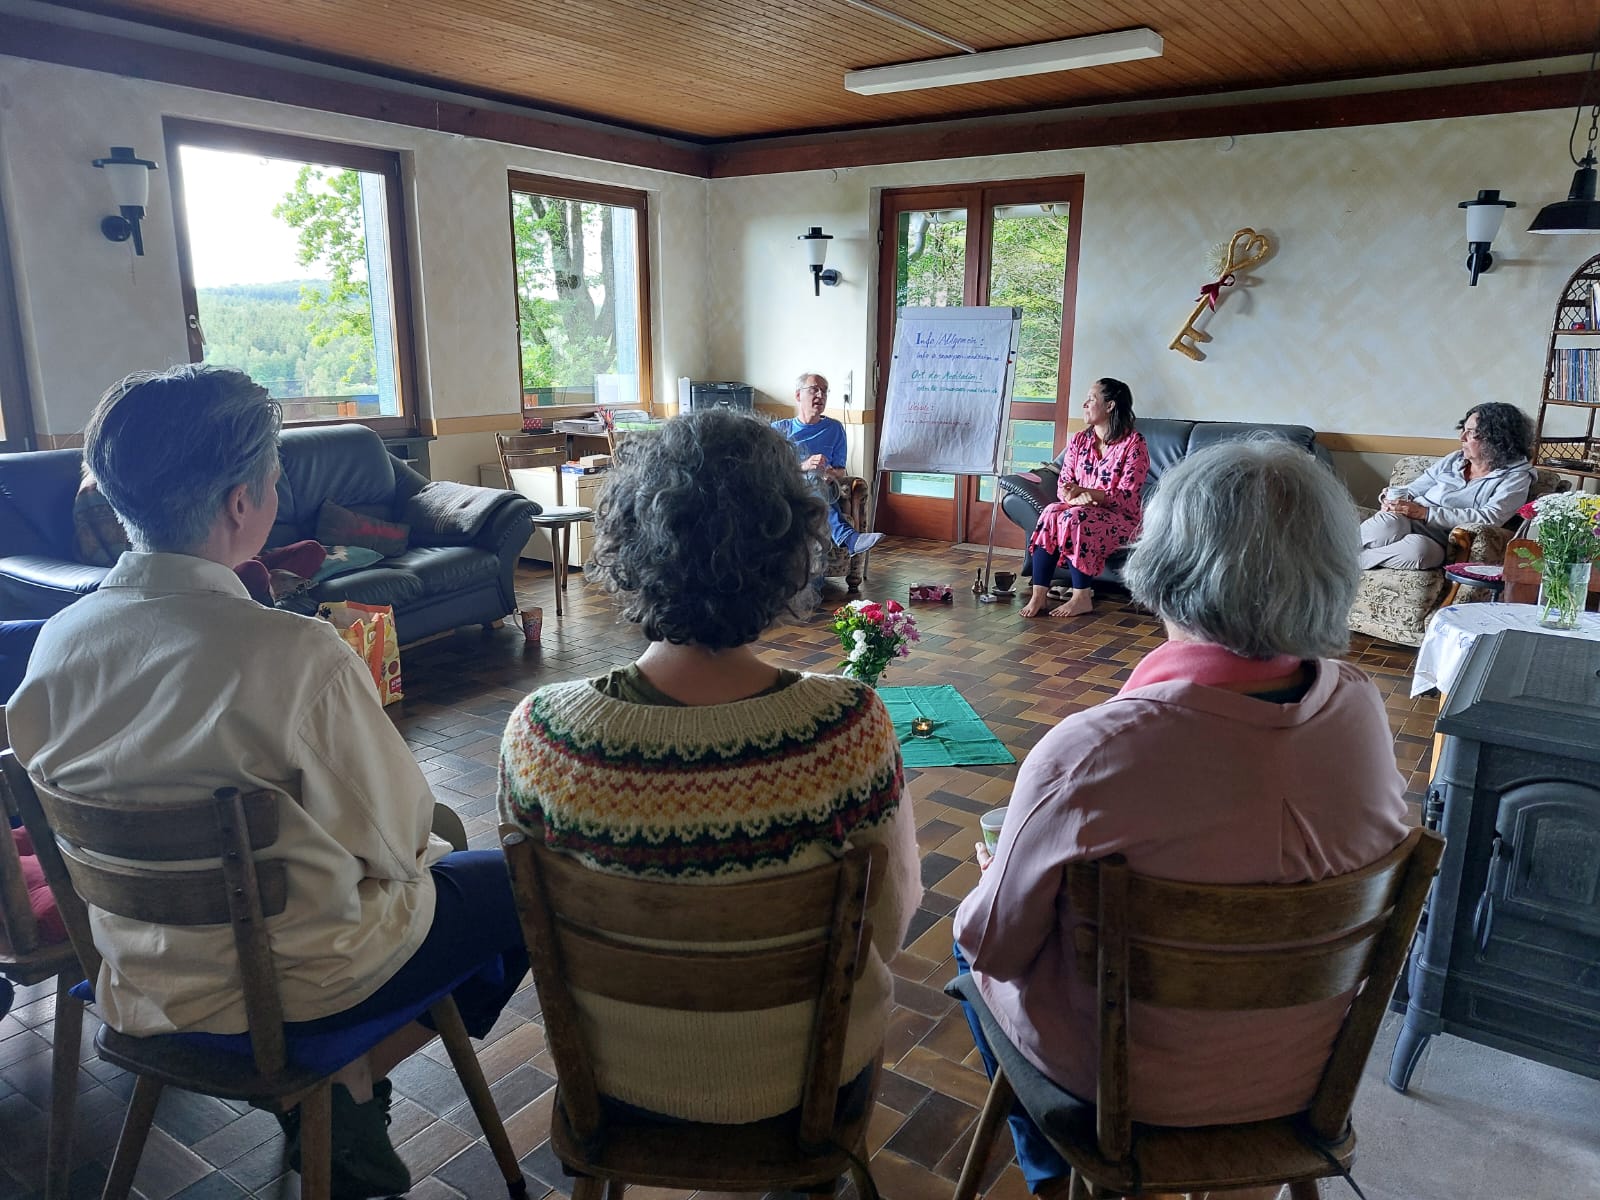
[167, 447]
[803, 379]
[1252, 545]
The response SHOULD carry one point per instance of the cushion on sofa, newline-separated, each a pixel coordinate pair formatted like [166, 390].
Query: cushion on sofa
[338, 526]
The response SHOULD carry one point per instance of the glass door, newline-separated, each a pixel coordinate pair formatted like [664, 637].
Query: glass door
[1019, 247]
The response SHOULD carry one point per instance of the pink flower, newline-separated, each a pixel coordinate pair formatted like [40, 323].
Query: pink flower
[1527, 511]
[895, 606]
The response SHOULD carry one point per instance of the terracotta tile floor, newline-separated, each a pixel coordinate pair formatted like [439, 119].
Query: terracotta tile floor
[1021, 677]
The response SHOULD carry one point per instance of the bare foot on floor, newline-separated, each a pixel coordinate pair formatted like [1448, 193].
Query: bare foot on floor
[1037, 600]
[1081, 604]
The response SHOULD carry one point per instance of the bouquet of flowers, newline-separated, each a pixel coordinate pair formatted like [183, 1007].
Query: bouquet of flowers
[1567, 526]
[872, 634]
[1567, 530]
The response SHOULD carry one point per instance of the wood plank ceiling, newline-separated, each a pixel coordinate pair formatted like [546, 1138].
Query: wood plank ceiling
[712, 70]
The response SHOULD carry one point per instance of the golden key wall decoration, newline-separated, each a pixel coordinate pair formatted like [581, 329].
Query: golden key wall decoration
[1244, 250]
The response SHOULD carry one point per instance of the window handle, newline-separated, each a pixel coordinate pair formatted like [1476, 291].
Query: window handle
[196, 330]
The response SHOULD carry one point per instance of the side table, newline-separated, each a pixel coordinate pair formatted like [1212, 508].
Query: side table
[1453, 630]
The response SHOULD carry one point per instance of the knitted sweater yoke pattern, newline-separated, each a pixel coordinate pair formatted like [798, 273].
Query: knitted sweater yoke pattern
[698, 793]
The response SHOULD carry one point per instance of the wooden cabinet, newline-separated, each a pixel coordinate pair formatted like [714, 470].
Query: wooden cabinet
[1565, 437]
[540, 486]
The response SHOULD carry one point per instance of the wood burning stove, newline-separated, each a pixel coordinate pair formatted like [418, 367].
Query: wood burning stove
[1508, 953]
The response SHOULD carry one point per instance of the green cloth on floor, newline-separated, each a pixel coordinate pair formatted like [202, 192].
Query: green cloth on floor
[959, 737]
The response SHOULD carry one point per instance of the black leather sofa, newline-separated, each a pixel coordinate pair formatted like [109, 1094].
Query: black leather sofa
[1170, 442]
[441, 580]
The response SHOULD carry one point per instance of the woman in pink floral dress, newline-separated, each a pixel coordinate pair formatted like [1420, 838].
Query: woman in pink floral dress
[1099, 510]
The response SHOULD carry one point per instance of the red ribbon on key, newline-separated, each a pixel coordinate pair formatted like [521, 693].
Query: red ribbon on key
[1210, 293]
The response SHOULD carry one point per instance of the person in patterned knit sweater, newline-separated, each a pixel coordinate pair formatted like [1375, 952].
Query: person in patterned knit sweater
[702, 764]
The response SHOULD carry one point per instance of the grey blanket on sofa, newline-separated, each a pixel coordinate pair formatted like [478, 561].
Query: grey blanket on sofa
[443, 509]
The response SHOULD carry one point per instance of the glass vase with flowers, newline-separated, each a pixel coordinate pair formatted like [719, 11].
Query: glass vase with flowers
[1567, 528]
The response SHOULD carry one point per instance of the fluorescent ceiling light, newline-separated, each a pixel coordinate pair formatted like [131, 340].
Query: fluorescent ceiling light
[1068, 55]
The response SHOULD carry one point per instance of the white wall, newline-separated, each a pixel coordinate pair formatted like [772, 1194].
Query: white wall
[1361, 323]
[92, 311]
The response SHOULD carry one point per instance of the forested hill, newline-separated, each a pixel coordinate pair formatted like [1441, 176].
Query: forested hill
[261, 329]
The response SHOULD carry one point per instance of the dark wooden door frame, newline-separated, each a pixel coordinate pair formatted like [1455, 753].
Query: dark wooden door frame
[915, 516]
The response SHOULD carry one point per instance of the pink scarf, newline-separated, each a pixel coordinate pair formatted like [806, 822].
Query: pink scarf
[1205, 664]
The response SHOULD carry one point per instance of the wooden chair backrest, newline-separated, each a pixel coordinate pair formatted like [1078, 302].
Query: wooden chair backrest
[1521, 575]
[75, 835]
[1220, 948]
[532, 452]
[577, 923]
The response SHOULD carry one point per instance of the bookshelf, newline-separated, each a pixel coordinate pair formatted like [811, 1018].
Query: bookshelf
[1564, 436]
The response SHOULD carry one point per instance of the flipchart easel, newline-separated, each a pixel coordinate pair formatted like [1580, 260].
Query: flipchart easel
[948, 404]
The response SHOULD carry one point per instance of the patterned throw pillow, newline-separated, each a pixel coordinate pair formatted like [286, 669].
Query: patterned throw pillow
[342, 560]
[338, 526]
[97, 534]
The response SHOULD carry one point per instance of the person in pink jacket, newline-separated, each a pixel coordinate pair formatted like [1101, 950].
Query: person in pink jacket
[1241, 751]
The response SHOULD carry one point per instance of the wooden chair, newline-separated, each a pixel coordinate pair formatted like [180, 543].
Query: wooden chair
[1522, 576]
[73, 834]
[577, 923]
[1220, 949]
[26, 959]
[537, 451]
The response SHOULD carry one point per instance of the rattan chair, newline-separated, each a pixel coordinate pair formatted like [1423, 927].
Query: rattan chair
[539, 451]
[579, 924]
[75, 834]
[1214, 948]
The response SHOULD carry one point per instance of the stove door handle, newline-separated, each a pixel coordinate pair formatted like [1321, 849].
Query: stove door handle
[1483, 917]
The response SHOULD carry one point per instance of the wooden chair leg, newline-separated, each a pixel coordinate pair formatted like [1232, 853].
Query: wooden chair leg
[447, 1020]
[63, 1087]
[1303, 1189]
[996, 1107]
[614, 1189]
[135, 1130]
[587, 1187]
[1078, 1189]
[316, 1142]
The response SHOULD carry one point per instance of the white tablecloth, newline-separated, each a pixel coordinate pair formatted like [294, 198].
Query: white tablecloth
[1453, 630]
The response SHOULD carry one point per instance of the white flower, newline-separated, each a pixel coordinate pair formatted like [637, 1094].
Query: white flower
[861, 637]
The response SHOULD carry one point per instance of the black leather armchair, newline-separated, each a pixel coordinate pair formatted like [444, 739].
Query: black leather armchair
[1169, 441]
[441, 580]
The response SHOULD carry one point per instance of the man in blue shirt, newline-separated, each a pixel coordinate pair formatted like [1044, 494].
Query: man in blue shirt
[820, 442]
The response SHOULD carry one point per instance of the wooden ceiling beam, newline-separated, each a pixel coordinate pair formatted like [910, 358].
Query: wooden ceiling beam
[1012, 135]
[23, 37]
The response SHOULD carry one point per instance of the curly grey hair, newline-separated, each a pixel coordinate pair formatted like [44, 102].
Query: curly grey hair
[708, 530]
[166, 447]
[1252, 545]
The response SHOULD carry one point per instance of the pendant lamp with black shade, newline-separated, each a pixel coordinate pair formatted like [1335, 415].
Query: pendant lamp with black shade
[1580, 211]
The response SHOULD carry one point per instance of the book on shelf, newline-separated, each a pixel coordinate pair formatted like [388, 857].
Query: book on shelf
[1573, 377]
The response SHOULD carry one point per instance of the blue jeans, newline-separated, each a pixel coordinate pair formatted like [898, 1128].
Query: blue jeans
[16, 644]
[474, 926]
[1040, 1162]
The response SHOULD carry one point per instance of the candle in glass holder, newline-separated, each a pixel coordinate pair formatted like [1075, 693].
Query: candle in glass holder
[922, 726]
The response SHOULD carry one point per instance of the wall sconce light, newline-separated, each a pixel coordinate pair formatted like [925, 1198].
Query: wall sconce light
[1580, 211]
[1483, 221]
[817, 247]
[129, 177]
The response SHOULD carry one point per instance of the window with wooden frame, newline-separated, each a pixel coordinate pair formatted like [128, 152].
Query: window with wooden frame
[582, 292]
[294, 269]
[16, 415]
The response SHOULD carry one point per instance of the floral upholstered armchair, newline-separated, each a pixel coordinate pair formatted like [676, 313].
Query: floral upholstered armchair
[1396, 604]
[853, 492]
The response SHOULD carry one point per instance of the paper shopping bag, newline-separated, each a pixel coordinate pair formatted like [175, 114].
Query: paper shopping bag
[368, 629]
